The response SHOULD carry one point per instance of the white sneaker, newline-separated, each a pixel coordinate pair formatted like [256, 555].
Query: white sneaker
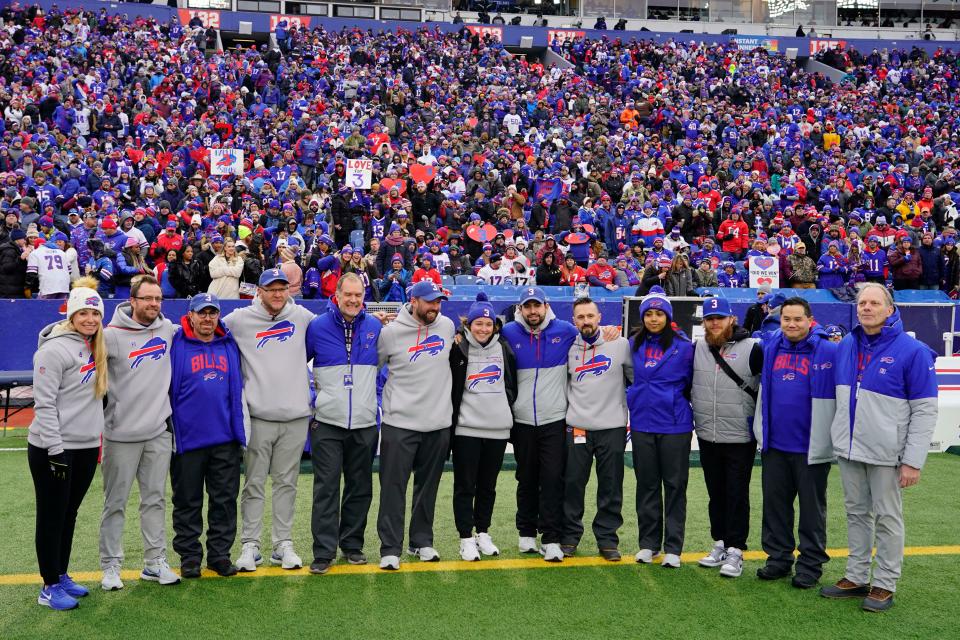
[159, 571]
[645, 556]
[485, 543]
[671, 561]
[390, 563]
[716, 556]
[468, 550]
[528, 545]
[426, 554]
[249, 557]
[284, 556]
[111, 579]
[552, 552]
[733, 564]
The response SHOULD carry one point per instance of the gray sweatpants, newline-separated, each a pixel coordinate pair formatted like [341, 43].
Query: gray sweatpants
[871, 495]
[149, 463]
[274, 449]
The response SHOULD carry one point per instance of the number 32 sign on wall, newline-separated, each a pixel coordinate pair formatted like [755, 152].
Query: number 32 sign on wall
[359, 173]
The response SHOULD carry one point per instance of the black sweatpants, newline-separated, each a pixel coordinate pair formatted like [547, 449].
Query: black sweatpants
[726, 470]
[785, 477]
[607, 446]
[217, 469]
[335, 451]
[540, 454]
[661, 464]
[403, 452]
[476, 466]
[57, 504]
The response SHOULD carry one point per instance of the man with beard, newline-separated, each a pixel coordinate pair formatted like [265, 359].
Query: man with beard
[726, 366]
[598, 372]
[415, 433]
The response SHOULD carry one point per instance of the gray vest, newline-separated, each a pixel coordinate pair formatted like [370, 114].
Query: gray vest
[722, 412]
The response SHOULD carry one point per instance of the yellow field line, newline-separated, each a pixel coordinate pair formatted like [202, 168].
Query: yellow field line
[456, 565]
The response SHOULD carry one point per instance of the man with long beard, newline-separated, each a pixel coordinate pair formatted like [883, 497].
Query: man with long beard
[726, 366]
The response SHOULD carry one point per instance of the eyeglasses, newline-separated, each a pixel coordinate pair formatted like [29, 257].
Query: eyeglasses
[157, 299]
[208, 313]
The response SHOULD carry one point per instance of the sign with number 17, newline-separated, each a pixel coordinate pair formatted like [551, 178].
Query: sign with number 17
[359, 173]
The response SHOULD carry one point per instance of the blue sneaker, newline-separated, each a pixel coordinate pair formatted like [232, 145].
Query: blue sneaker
[56, 598]
[73, 589]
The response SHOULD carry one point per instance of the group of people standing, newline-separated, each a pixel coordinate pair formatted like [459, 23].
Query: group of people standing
[564, 394]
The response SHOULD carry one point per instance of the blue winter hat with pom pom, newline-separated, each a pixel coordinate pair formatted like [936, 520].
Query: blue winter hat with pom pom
[656, 299]
[480, 309]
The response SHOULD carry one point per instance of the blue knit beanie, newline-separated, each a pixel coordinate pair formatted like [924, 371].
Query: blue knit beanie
[480, 309]
[656, 299]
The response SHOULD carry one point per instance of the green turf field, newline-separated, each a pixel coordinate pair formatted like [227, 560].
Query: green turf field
[538, 601]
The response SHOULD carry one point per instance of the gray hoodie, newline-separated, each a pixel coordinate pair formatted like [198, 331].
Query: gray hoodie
[484, 408]
[274, 359]
[417, 393]
[138, 359]
[67, 414]
[597, 385]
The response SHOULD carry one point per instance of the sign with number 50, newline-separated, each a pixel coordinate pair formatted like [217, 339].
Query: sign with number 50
[359, 173]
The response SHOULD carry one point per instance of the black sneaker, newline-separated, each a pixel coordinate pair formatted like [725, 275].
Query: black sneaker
[320, 567]
[355, 557]
[770, 572]
[804, 581]
[611, 554]
[845, 589]
[569, 550]
[190, 569]
[223, 567]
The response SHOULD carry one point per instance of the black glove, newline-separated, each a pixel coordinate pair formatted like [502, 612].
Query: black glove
[59, 466]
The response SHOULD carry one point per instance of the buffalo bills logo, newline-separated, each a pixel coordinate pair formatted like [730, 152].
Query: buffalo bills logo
[597, 366]
[789, 376]
[227, 159]
[92, 301]
[887, 360]
[279, 332]
[88, 370]
[432, 345]
[210, 376]
[489, 374]
[153, 349]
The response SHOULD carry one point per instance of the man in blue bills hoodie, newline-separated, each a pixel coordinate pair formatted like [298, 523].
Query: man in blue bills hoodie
[206, 395]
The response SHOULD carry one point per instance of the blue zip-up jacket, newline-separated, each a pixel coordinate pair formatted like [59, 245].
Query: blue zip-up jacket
[797, 395]
[889, 417]
[541, 367]
[658, 399]
[206, 390]
[345, 383]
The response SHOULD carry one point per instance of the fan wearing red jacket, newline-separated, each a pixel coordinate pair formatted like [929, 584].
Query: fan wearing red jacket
[601, 274]
[734, 235]
[571, 273]
[426, 271]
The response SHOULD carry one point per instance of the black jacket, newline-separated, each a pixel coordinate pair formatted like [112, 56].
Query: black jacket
[458, 366]
[13, 271]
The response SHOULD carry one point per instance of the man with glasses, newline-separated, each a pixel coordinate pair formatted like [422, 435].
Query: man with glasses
[271, 334]
[136, 438]
[206, 394]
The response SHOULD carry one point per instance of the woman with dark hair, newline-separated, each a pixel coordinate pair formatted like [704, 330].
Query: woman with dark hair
[950, 267]
[661, 424]
[185, 273]
[548, 273]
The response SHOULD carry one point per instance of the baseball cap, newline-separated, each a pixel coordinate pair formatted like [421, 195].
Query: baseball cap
[426, 290]
[533, 293]
[716, 307]
[201, 301]
[273, 275]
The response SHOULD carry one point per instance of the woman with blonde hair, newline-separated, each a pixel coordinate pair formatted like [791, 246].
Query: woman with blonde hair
[69, 383]
[225, 271]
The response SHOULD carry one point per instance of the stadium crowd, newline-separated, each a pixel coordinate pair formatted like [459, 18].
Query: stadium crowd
[656, 166]
[677, 162]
